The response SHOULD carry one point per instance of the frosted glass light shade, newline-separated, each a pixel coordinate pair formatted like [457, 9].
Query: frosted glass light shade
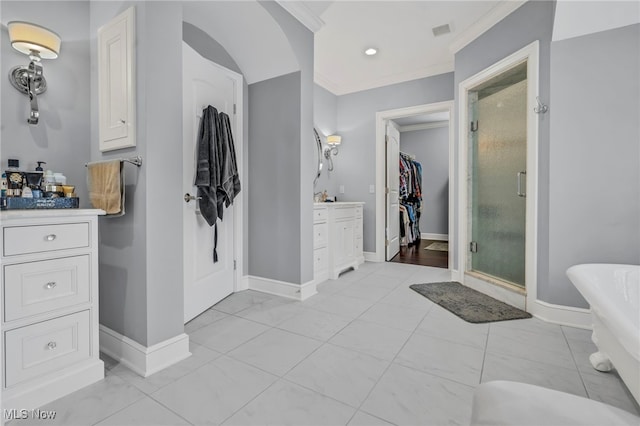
[334, 140]
[26, 37]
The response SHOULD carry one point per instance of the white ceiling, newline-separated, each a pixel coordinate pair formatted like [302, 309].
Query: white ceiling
[402, 33]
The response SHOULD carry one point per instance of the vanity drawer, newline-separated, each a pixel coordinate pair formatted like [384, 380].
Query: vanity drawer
[320, 231]
[320, 215]
[344, 213]
[320, 259]
[358, 212]
[43, 238]
[46, 347]
[36, 287]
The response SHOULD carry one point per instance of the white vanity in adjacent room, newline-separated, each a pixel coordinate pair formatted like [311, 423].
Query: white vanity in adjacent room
[337, 239]
[49, 309]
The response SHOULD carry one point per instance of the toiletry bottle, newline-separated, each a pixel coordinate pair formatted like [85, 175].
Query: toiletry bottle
[3, 185]
[14, 179]
[40, 163]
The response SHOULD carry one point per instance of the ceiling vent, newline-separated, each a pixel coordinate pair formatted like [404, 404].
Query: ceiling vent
[441, 30]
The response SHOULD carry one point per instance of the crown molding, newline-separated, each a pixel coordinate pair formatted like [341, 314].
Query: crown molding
[345, 89]
[491, 18]
[326, 83]
[302, 13]
[424, 126]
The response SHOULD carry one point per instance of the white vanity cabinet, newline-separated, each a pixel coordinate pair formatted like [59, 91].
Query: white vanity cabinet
[343, 227]
[49, 308]
[320, 243]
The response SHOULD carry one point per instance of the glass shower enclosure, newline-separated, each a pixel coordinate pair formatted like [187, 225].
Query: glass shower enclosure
[497, 171]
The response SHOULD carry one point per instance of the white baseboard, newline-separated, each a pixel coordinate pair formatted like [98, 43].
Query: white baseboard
[548, 312]
[371, 256]
[455, 275]
[243, 284]
[562, 315]
[439, 237]
[143, 360]
[282, 288]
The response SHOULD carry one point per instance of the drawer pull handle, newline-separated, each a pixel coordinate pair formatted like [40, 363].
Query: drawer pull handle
[50, 285]
[51, 345]
[50, 237]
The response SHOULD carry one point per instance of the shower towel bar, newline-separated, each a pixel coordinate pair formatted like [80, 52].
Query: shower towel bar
[137, 160]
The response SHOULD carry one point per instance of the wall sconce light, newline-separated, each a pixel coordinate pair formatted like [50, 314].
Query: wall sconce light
[38, 43]
[333, 141]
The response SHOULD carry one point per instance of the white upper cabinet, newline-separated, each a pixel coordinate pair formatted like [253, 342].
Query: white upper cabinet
[116, 82]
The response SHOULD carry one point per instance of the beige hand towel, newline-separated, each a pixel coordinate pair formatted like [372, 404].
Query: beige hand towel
[106, 186]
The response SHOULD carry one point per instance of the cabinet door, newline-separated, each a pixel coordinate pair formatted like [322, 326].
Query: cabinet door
[116, 61]
[345, 250]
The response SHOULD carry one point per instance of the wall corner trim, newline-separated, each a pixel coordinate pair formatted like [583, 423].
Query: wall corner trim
[302, 13]
[293, 291]
[143, 360]
[495, 15]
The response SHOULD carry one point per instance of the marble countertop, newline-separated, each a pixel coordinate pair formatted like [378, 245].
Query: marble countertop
[340, 203]
[37, 213]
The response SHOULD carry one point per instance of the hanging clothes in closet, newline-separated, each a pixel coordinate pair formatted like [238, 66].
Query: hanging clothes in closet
[410, 200]
[217, 176]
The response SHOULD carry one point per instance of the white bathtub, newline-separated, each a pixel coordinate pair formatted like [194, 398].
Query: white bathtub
[613, 291]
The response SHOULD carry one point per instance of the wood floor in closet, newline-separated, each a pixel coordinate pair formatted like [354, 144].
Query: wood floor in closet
[417, 255]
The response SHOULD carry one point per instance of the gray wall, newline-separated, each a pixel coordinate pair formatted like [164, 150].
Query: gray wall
[141, 292]
[61, 138]
[355, 166]
[431, 149]
[325, 119]
[274, 146]
[301, 41]
[532, 21]
[595, 156]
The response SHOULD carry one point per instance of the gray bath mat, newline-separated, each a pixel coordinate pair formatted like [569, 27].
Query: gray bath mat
[467, 303]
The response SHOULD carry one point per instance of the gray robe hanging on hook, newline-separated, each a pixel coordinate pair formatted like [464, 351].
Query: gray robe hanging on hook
[217, 170]
[207, 176]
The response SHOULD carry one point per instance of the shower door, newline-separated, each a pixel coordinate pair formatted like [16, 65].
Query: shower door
[498, 148]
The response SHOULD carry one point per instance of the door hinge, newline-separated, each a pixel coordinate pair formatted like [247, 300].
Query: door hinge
[234, 108]
[474, 126]
[386, 243]
[235, 265]
[386, 190]
[473, 247]
[386, 138]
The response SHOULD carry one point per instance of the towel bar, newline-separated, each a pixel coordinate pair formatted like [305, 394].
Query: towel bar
[137, 160]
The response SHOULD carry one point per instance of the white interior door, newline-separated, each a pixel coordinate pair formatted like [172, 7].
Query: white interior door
[393, 190]
[205, 282]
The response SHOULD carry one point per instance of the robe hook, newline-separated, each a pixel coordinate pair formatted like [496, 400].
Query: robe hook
[541, 108]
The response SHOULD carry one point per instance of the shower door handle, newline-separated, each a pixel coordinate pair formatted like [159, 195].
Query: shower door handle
[519, 180]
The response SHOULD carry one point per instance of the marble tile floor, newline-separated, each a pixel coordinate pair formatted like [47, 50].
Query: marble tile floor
[366, 350]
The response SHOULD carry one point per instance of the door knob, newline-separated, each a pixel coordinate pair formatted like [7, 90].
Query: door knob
[188, 197]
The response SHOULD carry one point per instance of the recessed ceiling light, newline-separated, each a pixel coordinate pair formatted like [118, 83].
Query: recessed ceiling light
[370, 51]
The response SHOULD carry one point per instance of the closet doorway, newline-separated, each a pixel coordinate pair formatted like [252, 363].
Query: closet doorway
[423, 178]
[417, 172]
